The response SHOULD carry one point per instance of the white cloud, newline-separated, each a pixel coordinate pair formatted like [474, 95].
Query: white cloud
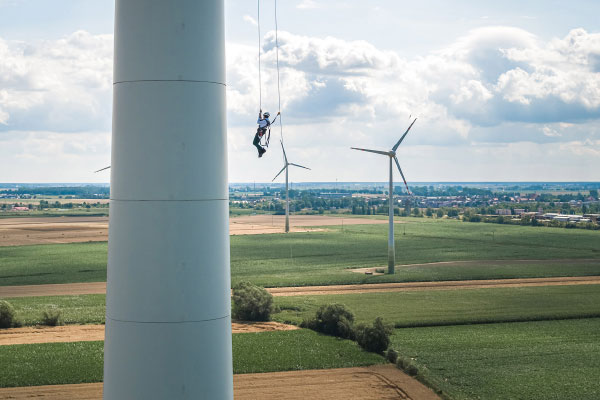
[549, 131]
[308, 4]
[495, 85]
[251, 20]
[63, 85]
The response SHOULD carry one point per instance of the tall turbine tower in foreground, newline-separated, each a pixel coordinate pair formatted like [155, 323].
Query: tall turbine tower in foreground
[286, 165]
[168, 323]
[392, 155]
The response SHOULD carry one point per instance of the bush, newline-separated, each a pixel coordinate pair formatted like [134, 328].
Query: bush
[332, 319]
[374, 338]
[52, 317]
[7, 314]
[407, 366]
[252, 303]
[392, 355]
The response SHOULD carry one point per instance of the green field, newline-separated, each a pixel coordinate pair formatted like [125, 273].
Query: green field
[322, 258]
[403, 309]
[81, 362]
[461, 340]
[80, 310]
[532, 360]
[454, 307]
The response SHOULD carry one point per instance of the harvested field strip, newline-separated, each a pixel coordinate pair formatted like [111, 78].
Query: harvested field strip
[84, 333]
[55, 289]
[367, 383]
[65, 289]
[30, 231]
[82, 362]
[419, 286]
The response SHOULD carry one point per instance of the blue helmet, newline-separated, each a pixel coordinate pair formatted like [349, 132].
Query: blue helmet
[266, 115]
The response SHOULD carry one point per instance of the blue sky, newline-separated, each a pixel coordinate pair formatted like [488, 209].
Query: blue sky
[504, 91]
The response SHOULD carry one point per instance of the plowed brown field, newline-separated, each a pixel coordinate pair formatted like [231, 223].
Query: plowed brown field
[26, 231]
[84, 333]
[66, 289]
[379, 382]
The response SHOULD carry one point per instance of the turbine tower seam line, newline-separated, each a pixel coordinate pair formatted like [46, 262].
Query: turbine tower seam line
[168, 322]
[169, 80]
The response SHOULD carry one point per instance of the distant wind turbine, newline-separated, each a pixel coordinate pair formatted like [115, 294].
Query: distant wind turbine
[392, 155]
[287, 194]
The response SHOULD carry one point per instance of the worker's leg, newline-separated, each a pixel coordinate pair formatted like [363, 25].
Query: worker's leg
[256, 143]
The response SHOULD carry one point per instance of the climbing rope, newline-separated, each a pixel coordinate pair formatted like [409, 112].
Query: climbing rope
[259, 74]
[267, 138]
[278, 80]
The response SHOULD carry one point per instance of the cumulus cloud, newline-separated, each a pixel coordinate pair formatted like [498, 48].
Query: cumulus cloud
[251, 20]
[494, 85]
[308, 4]
[63, 85]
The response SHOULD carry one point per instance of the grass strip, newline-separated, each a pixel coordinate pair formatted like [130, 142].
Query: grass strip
[526, 360]
[403, 309]
[83, 309]
[81, 362]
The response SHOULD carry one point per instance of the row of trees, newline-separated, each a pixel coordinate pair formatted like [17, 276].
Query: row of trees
[45, 204]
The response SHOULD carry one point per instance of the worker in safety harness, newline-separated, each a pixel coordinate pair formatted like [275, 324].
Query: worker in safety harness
[263, 126]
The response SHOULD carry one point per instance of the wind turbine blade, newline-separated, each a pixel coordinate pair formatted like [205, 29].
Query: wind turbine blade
[296, 165]
[385, 153]
[404, 179]
[284, 155]
[403, 136]
[102, 169]
[279, 173]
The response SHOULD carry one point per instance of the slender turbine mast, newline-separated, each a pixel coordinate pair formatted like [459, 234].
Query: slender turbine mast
[286, 164]
[168, 298]
[392, 155]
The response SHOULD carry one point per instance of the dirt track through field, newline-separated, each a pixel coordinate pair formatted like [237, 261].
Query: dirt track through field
[378, 382]
[28, 231]
[84, 333]
[67, 289]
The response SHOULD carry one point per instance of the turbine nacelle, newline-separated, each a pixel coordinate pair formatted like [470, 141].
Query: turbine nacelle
[286, 164]
[392, 154]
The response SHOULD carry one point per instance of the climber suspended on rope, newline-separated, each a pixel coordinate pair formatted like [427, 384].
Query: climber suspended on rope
[264, 128]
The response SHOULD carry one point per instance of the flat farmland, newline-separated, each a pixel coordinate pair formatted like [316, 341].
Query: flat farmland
[458, 339]
[521, 360]
[43, 230]
[378, 382]
[29, 231]
[424, 249]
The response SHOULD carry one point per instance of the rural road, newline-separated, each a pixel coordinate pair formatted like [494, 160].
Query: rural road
[378, 382]
[65, 289]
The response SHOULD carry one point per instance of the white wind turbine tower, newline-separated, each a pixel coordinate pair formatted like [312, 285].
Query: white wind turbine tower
[287, 193]
[392, 155]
